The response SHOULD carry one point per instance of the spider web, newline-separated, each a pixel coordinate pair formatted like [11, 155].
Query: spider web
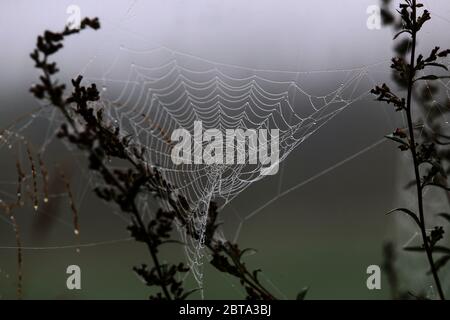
[152, 92]
[149, 93]
[164, 90]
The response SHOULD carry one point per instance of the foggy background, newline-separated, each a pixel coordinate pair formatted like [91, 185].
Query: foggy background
[324, 234]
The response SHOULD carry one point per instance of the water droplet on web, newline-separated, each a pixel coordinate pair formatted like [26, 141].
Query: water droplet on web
[35, 207]
[104, 88]
[76, 231]
[45, 199]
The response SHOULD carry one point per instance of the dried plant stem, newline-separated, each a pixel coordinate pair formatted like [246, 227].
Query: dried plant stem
[135, 212]
[20, 177]
[152, 251]
[62, 106]
[44, 174]
[140, 223]
[8, 210]
[19, 255]
[416, 163]
[73, 208]
[34, 178]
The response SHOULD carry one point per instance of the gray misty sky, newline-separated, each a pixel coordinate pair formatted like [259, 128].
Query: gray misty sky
[286, 35]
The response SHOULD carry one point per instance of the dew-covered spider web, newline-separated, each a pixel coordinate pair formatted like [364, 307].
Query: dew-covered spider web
[151, 92]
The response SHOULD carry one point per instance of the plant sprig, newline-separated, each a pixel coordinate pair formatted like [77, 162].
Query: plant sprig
[86, 129]
[427, 161]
